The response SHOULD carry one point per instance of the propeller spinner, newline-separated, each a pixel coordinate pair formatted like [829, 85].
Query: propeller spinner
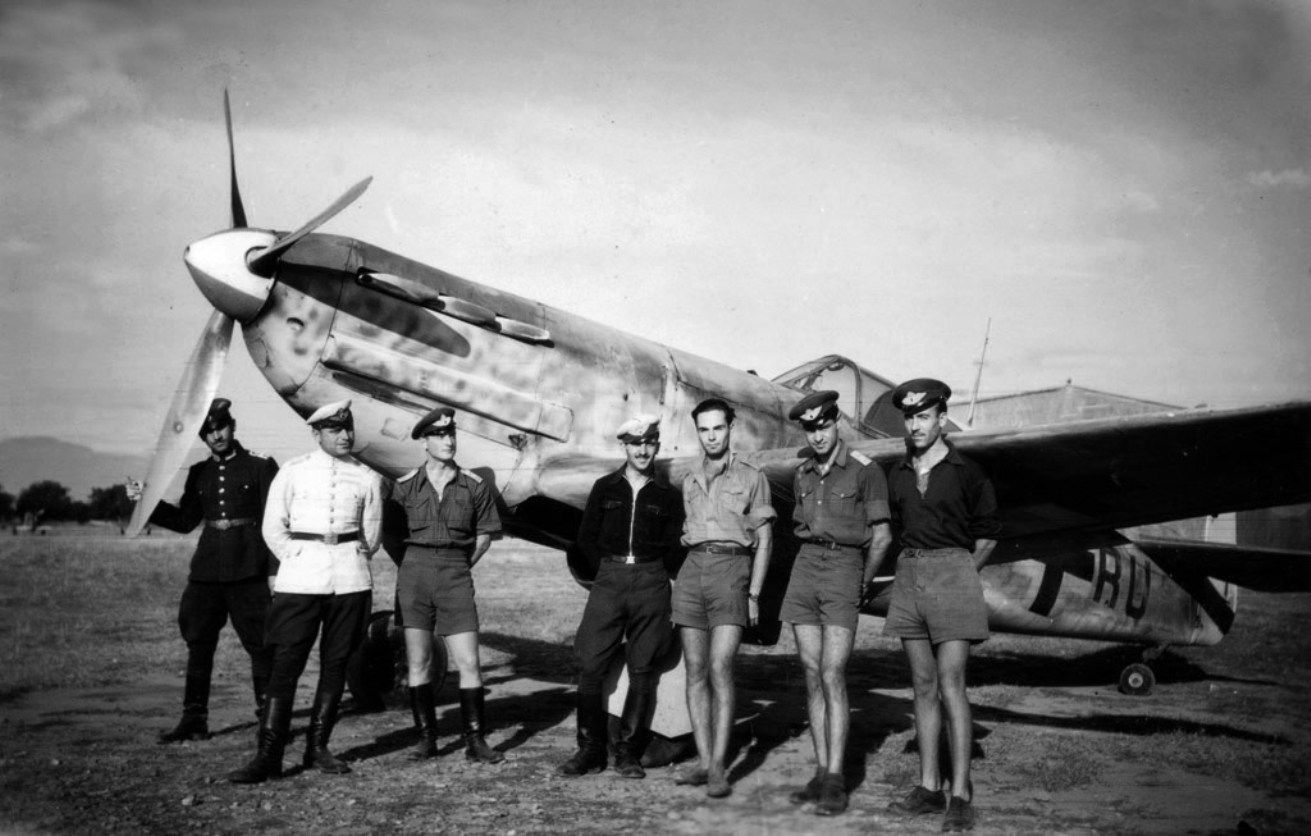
[234, 270]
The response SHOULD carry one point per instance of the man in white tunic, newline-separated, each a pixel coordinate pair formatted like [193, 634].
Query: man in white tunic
[323, 522]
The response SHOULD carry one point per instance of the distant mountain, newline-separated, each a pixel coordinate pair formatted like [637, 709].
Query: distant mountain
[34, 458]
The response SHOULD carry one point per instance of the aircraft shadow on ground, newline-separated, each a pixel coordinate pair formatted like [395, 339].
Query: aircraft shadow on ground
[1100, 667]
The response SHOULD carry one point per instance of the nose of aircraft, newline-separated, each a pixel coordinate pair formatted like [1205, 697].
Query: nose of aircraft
[218, 267]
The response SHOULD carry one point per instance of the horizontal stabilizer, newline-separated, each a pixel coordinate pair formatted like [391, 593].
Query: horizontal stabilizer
[1264, 570]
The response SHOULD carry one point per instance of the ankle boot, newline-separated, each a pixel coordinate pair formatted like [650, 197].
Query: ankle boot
[323, 716]
[423, 704]
[632, 735]
[273, 729]
[471, 711]
[194, 724]
[590, 756]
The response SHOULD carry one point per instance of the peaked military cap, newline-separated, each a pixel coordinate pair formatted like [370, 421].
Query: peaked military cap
[917, 395]
[336, 415]
[814, 408]
[217, 418]
[440, 420]
[641, 427]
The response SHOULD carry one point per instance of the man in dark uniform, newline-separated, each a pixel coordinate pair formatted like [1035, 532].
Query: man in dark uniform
[841, 516]
[323, 522]
[449, 519]
[727, 515]
[945, 512]
[230, 568]
[630, 531]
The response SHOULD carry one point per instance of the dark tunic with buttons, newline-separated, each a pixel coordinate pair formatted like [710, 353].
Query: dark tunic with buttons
[234, 488]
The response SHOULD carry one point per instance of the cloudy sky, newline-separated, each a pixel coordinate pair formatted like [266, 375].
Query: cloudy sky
[1123, 187]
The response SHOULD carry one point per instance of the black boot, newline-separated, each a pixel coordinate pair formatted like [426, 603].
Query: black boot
[632, 735]
[425, 717]
[273, 728]
[195, 703]
[471, 711]
[590, 756]
[323, 716]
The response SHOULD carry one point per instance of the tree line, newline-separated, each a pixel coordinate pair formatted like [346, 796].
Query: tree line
[48, 501]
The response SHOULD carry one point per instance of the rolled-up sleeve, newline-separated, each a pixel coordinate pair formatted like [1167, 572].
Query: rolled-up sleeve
[761, 510]
[984, 524]
[487, 520]
[874, 494]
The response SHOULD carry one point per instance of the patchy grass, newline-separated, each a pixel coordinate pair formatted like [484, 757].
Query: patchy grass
[1062, 763]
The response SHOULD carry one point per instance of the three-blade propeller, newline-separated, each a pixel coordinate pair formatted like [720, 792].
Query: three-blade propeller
[204, 369]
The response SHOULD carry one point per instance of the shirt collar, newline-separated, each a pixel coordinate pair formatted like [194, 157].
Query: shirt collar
[952, 456]
[658, 478]
[700, 473]
[840, 458]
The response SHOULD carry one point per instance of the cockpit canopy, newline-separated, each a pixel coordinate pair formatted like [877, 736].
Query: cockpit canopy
[864, 397]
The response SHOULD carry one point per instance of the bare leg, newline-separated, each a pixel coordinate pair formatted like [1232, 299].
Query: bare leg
[724, 640]
[952, 658]
[418, 656]
[696, 652]
[928, 711]
[463, 648]
[837, 642]
[810, 644]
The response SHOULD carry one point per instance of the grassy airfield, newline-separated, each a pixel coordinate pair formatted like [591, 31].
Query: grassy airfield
[91, 669]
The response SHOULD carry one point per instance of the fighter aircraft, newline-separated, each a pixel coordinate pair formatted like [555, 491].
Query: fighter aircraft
[539, 391]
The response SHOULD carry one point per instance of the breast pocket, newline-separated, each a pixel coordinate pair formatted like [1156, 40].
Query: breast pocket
[734, 499]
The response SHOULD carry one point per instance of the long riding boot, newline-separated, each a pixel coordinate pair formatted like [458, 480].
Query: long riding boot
[194, 724]
[592, 719]
[323, 716]
[423, 704]
[632, 735]
[273, 729]
[471, 711]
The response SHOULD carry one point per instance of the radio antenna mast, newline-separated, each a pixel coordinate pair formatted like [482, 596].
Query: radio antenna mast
[978, 376]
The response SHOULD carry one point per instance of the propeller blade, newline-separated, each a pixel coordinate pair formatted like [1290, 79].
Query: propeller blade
[262, 264]
[238, 210]
[200, 380]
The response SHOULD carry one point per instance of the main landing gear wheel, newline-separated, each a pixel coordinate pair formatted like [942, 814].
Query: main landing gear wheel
[379, 668]
[1137, 680]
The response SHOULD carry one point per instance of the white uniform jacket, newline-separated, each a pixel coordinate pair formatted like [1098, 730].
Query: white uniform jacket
[319, 494]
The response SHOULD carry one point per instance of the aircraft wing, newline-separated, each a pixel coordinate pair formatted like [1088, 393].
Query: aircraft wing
[1265, 570]
[1121, 472]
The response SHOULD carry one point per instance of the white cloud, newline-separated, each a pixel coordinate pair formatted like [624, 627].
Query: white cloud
[1291, 178]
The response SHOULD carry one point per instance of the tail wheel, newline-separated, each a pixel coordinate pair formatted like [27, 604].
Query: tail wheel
[1137, 680]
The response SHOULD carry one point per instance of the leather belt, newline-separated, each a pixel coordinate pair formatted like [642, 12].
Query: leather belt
[630, 559]
[223, 524]
[724, 548]
[830, 546]
[330, 538]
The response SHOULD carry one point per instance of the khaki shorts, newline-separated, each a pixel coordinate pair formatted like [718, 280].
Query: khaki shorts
[434, 591]
[711, 590]
[824, 588]
[937, 595]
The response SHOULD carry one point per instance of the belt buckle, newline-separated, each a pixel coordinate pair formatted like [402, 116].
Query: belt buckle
[630, 559]
[330, 538]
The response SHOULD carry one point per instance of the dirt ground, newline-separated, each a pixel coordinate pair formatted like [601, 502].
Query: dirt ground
[1221, 744]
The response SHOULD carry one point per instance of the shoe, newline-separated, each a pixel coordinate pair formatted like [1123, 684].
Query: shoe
[190, 727]
[323, 716]
[274, 727]
[810, 792]
[471, 712]
[692, 776]
[832, 796]
[960, 815]
[717, 786]
[919, 802]
[592, 720]
[425, 716]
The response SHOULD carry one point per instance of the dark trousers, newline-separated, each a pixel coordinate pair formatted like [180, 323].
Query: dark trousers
[205, 609]
[294, 623]
[627, 600]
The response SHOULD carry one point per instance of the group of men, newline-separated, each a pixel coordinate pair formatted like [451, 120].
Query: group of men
[321, 519]
[940, 506]
[285, 555]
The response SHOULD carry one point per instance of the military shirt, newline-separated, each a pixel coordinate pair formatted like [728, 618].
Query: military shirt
[728, 508]
[842, 505]
[465, 510]
[958, 506]
[234, 487]
[320, 494]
